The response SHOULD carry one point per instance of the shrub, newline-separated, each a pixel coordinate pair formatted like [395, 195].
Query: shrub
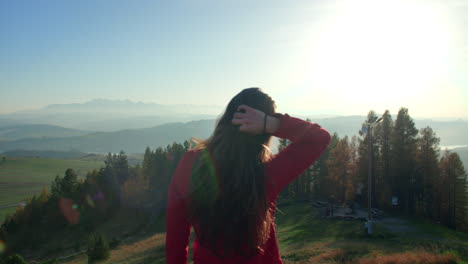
[98, 248]
[15, 259]
[50, 261]
[114, 243]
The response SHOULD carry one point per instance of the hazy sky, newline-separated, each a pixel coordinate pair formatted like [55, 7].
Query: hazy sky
[313, 57]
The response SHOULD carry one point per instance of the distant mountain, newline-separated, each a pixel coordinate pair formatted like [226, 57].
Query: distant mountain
[130, 108]
[112, 115]
[450, 132]
[48, 154]
[5, 122]
[111, 125]
[8, 133]
[136, 140]
[131, 140]
[342, 125]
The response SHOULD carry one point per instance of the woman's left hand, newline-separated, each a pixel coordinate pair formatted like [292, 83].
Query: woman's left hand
[250, 120]
[253, 121]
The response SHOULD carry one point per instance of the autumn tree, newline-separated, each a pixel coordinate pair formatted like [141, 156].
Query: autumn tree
[341, 169]
[453, 187]
[319, 171]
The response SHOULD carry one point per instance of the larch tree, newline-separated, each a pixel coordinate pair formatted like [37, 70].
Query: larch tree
[403, 149]
[363, 161]
[453, 191]
[426, 171]
[383, 132]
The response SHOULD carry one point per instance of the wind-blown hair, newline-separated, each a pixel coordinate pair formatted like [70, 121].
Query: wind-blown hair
[228, 203]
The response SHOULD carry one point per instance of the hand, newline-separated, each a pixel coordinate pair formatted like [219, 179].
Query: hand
[252, 120]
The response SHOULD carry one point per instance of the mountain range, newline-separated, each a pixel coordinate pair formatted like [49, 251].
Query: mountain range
[110, 115]
[102, 126]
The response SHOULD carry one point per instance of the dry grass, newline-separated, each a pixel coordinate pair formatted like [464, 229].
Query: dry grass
[416, 257]
[149, 250]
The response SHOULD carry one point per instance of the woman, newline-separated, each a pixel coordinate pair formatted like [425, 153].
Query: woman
[227, 187]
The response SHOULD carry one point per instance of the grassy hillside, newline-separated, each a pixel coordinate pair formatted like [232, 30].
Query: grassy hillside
[305, 237]
[21, 178]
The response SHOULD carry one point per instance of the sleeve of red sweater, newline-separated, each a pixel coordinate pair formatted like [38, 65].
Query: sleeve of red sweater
[177, 225]
[308, 141]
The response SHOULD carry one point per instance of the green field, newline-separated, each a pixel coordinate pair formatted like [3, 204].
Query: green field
[305, 237]
[21, 178]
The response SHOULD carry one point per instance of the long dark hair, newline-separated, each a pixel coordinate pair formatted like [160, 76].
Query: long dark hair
[228, 201]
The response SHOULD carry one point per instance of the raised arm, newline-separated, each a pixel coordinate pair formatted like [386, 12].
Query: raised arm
[308, 139]
[308, 142]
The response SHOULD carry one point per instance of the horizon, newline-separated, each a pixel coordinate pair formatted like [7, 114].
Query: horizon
[314, 58]
[324, 114]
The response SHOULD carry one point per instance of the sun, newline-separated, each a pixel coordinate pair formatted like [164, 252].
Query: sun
[379, 53]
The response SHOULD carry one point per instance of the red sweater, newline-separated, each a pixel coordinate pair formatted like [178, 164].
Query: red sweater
[308, 141]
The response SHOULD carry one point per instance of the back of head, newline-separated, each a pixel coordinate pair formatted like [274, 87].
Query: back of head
[228, 199]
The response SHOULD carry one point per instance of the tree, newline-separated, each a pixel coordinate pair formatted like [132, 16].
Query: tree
[320, 179]
[363, 161]
[426, 171]
[382, 134]
[98, 248]
[453, 191]
[15, 259]
[341, 170]
[66, 186]
[403, 149]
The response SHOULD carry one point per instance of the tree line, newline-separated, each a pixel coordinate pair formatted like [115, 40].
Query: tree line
[410, 173]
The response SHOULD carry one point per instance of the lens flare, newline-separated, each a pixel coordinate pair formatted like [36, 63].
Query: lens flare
[98, 196]
[2, 247]
[68, 209]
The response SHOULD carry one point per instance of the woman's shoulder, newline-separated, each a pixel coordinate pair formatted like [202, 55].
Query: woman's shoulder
[188, 157]
[181, 177]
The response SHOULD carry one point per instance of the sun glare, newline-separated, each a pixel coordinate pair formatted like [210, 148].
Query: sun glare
[380, 53]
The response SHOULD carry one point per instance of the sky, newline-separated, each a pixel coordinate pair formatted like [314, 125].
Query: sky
[312, 57]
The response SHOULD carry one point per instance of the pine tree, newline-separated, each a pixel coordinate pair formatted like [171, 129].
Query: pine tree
[382, 133]
[403, 149]
[453, 199]
[15, 259]
[426, 170]
[98, 248]
[363, 161]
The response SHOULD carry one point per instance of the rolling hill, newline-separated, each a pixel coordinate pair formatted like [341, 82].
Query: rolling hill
[131, 140]
[9, 133]
[53, 138]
